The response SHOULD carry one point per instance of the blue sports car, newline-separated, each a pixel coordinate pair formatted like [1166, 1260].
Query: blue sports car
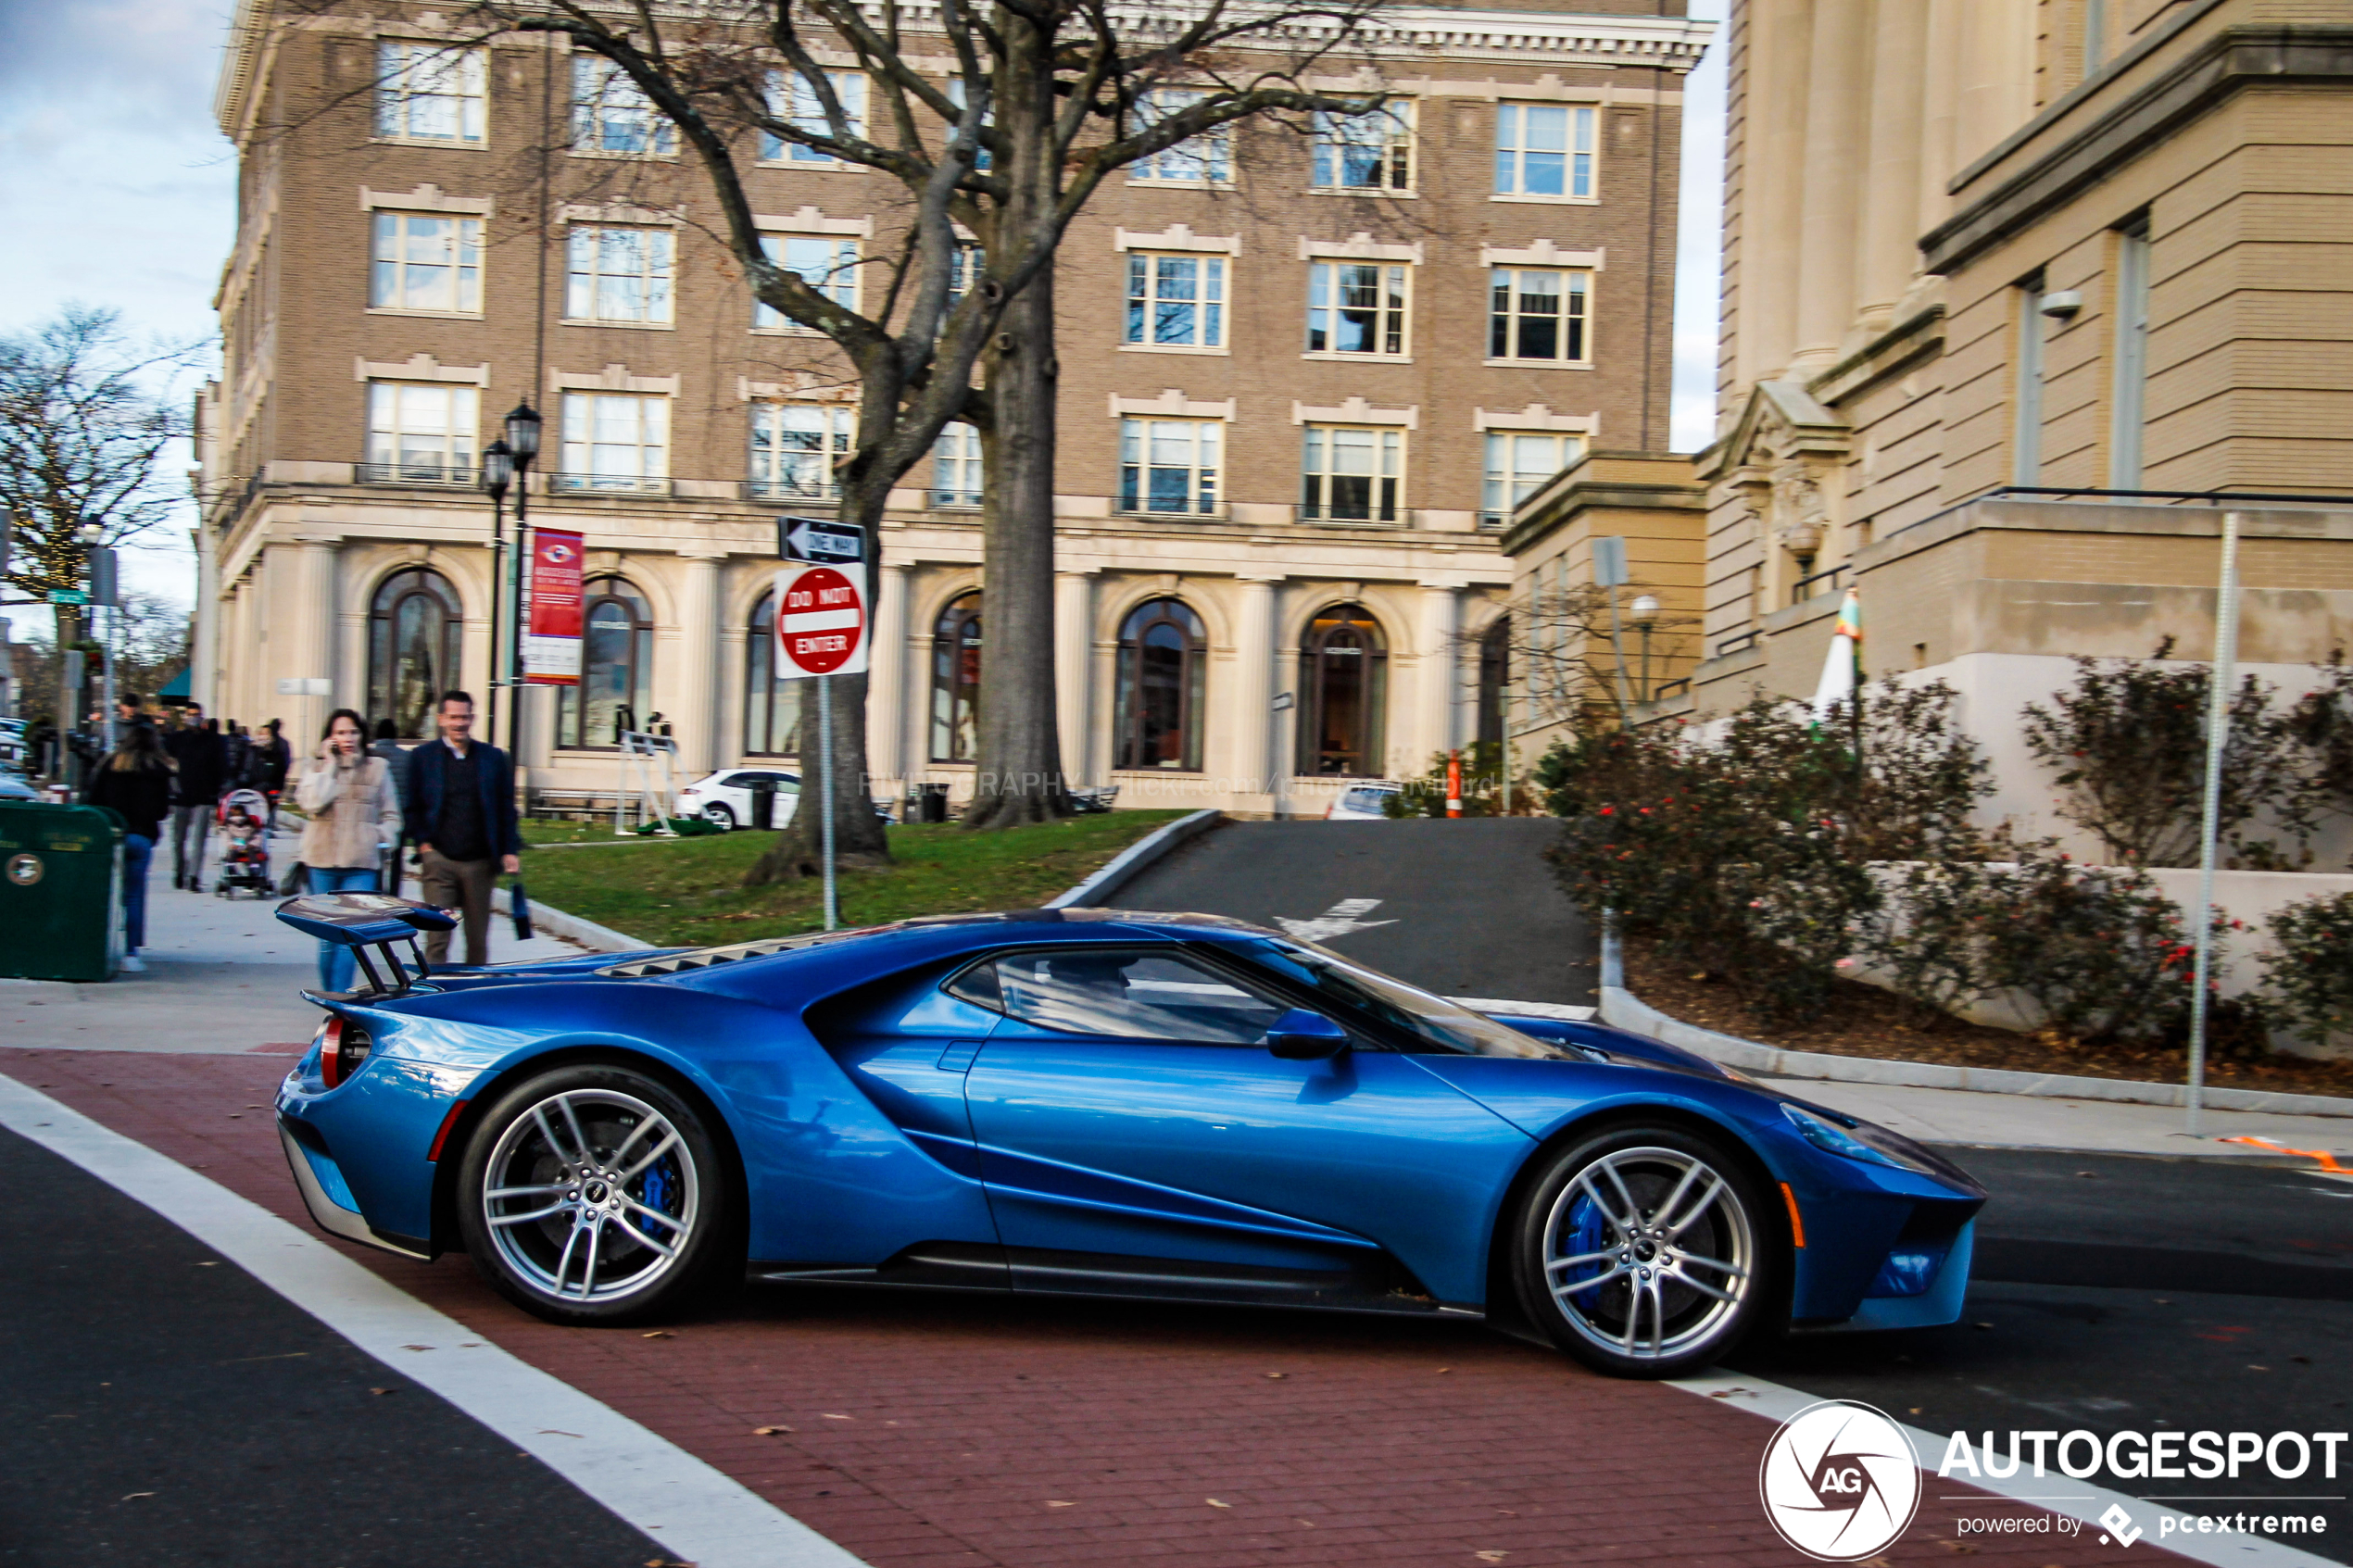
[1092, 1102]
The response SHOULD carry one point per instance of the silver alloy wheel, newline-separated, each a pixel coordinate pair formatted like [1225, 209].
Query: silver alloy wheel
[590, 1195]
[1648, 1252]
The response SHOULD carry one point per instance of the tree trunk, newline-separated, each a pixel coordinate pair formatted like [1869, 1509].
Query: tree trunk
[1019, 777]
[858, 841]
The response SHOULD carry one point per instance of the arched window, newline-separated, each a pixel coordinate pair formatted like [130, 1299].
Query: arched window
[772, 707]
[1163, 663]
[1343, 681]
[1494, 672]
[955, 680]
[616, 669]
[414, 629]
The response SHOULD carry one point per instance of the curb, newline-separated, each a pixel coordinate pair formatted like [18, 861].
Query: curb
[1622, 1007]
[1090, 893]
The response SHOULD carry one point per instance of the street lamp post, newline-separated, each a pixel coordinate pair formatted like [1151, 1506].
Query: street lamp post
[523, 445]
[1645, 617]
[497, 472]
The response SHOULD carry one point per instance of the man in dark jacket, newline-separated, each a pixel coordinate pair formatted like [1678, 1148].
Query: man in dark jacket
[271, 758]
[196, 751]
[459, 805]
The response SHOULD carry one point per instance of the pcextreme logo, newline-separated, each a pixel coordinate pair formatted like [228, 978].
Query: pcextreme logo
[1839, 1481]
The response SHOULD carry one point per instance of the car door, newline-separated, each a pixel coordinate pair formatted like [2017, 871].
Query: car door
[1135, 1135]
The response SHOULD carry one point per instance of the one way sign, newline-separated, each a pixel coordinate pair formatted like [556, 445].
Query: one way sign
[818, 542]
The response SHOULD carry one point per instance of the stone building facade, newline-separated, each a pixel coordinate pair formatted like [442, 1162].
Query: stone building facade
[1305, 378]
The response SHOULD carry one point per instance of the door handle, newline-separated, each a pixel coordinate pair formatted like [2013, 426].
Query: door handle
[958, 1057]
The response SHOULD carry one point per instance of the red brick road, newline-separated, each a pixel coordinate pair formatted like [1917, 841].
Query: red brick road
[934, 1430]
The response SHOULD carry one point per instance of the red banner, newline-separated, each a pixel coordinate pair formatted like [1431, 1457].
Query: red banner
[551, 639]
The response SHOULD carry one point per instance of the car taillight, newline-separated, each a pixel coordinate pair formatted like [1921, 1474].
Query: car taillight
[342, 1048]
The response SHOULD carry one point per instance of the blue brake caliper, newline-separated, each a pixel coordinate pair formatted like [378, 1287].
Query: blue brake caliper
[656, 1194]
[1584, 1233]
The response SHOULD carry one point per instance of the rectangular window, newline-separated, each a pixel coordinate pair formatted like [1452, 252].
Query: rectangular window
[1206, 159]
[828, 266]
[1356, 308]
[965, 265]
[794, 100]
[1169, 465]
[616, 274]
[420, 433]
[1366, 152]
[1519, 463]
[1543, 150]
[609, 115]
[795, 447]
[2026, 435]
[616, 441]
[422, 262]
[427, 93]
[1176, 301]
[2128, 412]
[955, 468]
[1539, 315]
[1350, 473]
[956, 93]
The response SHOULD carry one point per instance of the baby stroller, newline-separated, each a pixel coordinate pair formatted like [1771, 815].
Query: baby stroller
[245, 852]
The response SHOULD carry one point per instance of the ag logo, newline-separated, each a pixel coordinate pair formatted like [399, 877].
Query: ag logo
[1839, 1481]
[558, 553]
[25, 870]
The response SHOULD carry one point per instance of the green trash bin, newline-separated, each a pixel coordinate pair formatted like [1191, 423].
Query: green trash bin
[60, 892]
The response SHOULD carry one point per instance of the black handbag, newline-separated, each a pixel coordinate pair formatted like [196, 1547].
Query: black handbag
[519, 906]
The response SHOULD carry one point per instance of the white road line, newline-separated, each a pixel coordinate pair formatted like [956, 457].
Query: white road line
[1338, 920]
[1777, 1403]
[695, 1512]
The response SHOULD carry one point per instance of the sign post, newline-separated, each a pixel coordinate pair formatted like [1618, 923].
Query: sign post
[551, 639]
[822, 621]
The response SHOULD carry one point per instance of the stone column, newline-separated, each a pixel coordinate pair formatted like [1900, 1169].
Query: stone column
[1254, 749]
[1762, 293]
[1834, 156]
[886, 677]
[1996, 75]
[1441, 617]
[696, 650]
[1891, 237]
[1940, 109]
[303, 641]
[1073, 640]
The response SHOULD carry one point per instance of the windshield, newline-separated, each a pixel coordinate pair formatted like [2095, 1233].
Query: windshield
[1434, 1020]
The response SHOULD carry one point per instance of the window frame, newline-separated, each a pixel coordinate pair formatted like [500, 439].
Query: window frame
[1164, 169]
[1129, 709]
[385, 602]
[1371, 727]
[1583, 127]
[837, 429]
[1385, 503]
[842, 276]
[571, 701]
[612, 90]
[1492, 518]
[659, 284]
[460, 435]
[1211, 302]
[569, 478]
[393, 92]
[465, 239]
[766, 696]
[1397, 276]
[959, 446]
[1331, 137]
[1204, 491]
[803, 110]
[1575, 325]
[956, 678]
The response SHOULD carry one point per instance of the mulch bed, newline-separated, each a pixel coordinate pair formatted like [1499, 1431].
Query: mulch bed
[1864, 1021]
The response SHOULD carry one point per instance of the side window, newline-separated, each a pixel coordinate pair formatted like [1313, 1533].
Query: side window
[1130, 993]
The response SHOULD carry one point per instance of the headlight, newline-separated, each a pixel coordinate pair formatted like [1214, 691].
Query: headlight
[1862, 1140]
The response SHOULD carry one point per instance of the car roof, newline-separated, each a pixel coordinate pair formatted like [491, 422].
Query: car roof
[926, 936]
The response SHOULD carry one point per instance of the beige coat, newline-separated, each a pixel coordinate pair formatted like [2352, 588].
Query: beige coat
[352, 811]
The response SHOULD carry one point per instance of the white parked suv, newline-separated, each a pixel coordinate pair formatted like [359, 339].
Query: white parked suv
[1361, 803]
[724, 798]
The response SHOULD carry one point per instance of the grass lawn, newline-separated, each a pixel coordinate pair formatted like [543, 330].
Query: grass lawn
[688, 892]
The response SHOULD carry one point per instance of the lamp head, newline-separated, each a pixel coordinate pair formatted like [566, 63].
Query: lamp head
[1644, 610]
[523, 433]
[497, 468]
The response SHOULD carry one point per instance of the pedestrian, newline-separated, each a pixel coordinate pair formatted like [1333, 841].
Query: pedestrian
[273, 758]
[199, 763]
[396, 756]
[237, 764]
[134, 779]
[461, 795]
[346, 795]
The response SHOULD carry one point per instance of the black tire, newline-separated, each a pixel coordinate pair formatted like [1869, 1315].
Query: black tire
[1628, 1288]
[602, 1234]
[721, 816]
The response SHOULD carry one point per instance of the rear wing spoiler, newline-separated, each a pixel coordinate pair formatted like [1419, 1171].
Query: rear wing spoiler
[361, 920]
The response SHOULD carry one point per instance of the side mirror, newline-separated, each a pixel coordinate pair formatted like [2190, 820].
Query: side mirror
[1302, 1035]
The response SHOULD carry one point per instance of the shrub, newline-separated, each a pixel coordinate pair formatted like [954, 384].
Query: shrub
[2308, 978]
[2322, 721]
[1482, 787]
[2098, 950]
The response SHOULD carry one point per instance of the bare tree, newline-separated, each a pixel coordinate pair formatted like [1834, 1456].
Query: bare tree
[84, 424]
[1565, 665]
[1052, 97]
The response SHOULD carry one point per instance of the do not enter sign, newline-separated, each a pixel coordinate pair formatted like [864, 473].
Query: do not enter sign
[821, 623]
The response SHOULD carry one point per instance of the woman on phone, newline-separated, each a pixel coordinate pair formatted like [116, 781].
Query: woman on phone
[346, 797]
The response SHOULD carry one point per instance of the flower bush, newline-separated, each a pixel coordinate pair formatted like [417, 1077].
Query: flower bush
[2308, 978]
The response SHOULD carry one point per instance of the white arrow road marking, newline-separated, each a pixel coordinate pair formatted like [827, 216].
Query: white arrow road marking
[1338, 920]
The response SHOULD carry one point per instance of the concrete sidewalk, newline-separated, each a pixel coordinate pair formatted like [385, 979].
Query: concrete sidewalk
[223, 976]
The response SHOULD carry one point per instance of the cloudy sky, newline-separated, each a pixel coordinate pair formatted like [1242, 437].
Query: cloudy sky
[122, 192]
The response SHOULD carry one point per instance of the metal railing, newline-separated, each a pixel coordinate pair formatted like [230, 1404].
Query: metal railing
[608, 484]
[1799, 591]
[1679, 687]
[790, 490]
[435, 476]
[1734, 644]
[2151, 498]
[956, 500]
[1324, 517]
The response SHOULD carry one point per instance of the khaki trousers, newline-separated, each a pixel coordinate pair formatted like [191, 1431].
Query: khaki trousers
[464, 885]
